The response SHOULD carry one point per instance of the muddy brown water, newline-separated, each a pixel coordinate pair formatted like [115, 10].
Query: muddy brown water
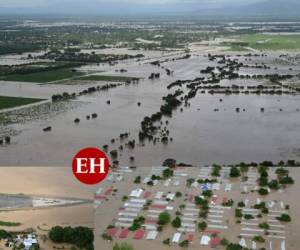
[201, 136]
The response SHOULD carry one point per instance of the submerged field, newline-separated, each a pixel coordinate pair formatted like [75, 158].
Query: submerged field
[11, 102]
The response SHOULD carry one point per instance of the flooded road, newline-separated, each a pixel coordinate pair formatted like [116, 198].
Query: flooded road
[200, 134]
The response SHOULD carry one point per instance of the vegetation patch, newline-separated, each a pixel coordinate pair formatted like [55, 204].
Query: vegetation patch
[44, 76]
[10, 224]
[11, 102]
[266, 42]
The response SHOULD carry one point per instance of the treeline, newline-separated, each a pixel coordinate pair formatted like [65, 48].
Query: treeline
[82, 237]
[75, 56]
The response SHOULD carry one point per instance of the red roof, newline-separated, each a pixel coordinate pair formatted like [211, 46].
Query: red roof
[147, 194]
[191, 198]
[212, 232]
[100, 197]
[190, 238]
[150, 221]
[214, 242]
[214, 199]
[123, 234]
[108, 191]
[112, 232]
[139, 234]
[159, 207]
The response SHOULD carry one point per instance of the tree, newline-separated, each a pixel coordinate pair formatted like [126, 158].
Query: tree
[56, 234]
[167, 173]
[241, 204]
[176, 222]
[224, 242]
[274, 184]
[216, 170]
[234, 172]
[137, 180]
[184, 243]
[284, 218]
[166, 241]
[207, 193]
[178, 194]
[164, 218]
[263, 191]
[238, 213]
[286, 180]
[263, 181]
[202, 226]
[123, 246]
[232, 246]
[248, 216]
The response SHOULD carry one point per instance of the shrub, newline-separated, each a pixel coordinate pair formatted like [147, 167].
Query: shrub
[264, 225]
[123, 246]
[259, 239]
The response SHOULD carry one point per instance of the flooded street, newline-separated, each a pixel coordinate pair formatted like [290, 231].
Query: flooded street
[201, 135]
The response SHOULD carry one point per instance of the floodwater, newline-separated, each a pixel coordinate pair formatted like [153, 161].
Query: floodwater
[200, 135]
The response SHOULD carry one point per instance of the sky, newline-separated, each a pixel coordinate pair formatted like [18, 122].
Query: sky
[144, 6]
[121, 5]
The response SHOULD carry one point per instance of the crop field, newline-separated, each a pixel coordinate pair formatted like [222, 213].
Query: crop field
[267, 42]
[44, 76]
[11, 102]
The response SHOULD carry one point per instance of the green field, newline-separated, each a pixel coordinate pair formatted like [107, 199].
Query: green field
[9, 224]
[11, 102]
[105, 78]
[267, 42]
[44, 76]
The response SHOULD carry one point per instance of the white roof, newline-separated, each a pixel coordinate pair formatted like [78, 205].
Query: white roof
[151, 235]
[135, 205]
[170, 196]
[169, 208]
[205, 239]
[176, 237]
[243, 242]
[159, 195]
[138, 201]
[136, 193]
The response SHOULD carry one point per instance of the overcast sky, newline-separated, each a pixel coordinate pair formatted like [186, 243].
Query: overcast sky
[36, 3]
[100, 6]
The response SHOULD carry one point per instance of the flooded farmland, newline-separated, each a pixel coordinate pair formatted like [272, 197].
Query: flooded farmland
[207, 130]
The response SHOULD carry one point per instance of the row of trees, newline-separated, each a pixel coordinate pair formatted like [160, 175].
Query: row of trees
[82, 237]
